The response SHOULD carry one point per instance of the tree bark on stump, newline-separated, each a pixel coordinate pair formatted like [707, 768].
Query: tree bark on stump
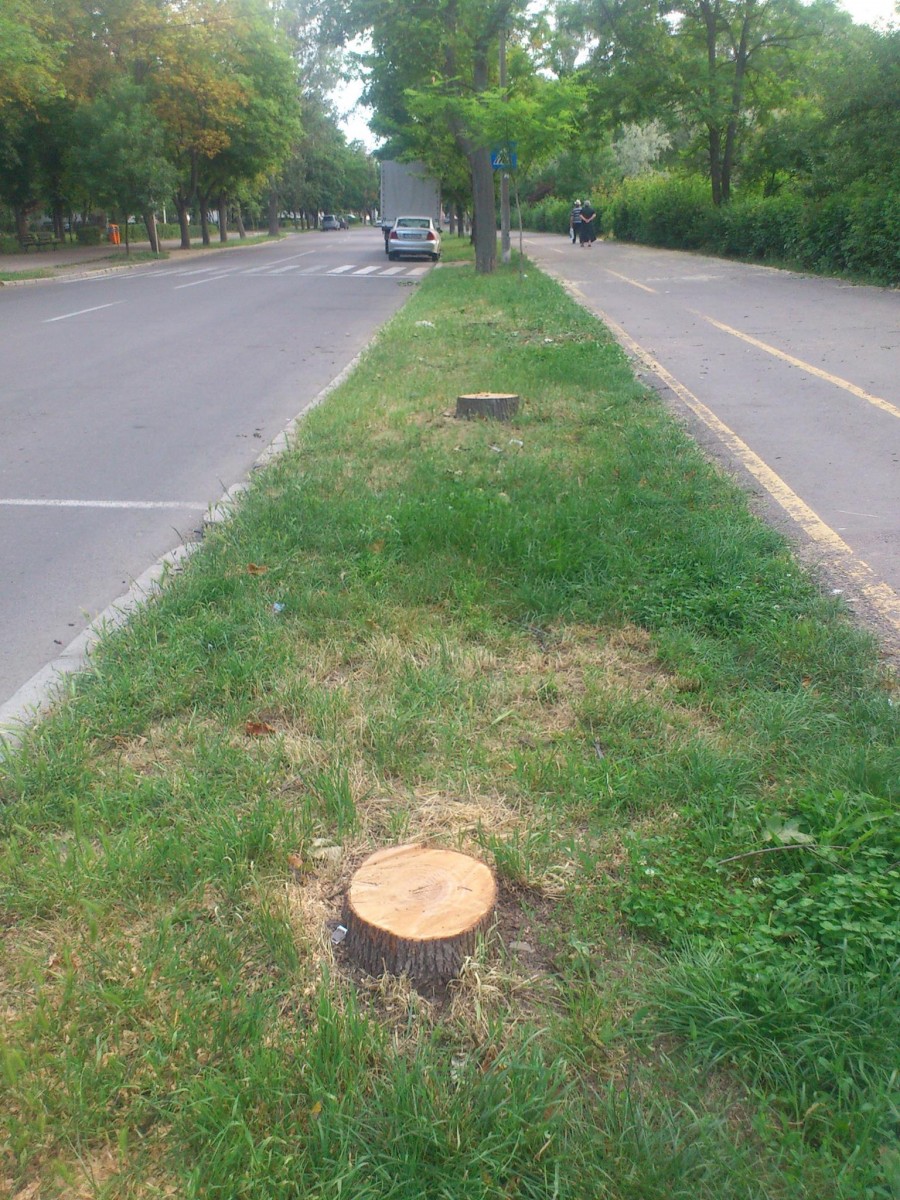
[414, 911]
[499, 406]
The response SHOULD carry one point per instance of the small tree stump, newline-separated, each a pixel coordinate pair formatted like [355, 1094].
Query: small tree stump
[500, 406]
[414, 911]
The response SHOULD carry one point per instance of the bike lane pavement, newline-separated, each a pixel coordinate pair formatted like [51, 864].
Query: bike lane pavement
[789, 381]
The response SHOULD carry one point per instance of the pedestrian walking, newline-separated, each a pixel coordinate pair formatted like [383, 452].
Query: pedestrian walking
[575, 221]
[586, 232]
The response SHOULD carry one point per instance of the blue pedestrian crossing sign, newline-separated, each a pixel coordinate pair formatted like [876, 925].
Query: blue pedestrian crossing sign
[504, 158]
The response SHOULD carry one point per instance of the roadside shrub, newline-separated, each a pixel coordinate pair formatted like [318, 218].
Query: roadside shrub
[856, 232]
[88, 235]
[547, 216]
[871, 243]
[664, 210]
[825, 226]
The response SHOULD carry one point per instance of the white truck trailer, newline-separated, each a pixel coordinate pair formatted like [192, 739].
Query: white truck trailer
[407, 190]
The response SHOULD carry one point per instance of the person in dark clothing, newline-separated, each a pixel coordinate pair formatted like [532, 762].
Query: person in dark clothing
[586, 232]
[575, 221]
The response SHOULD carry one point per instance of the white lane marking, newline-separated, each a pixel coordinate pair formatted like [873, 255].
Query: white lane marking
[197, 282]
[357, 273]
[23, 503]
[291, 257]
[80, 312]
[347, 271]
[848, 512]
[110, 275]
[25, 706]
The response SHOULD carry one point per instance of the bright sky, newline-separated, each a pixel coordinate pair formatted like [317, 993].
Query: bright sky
[870, 12]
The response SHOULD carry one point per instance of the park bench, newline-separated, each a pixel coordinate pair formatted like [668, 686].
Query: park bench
[41, 240]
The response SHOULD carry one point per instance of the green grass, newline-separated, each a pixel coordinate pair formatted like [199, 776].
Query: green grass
[562, 643]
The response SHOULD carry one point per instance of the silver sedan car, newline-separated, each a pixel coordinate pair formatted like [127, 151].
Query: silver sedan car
[414, 235]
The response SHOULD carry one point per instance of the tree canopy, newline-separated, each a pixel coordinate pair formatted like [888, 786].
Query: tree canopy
[218, 104]
[140, 103]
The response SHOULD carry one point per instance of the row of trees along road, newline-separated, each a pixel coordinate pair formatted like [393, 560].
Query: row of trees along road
[203, 104]
[751, 95]
[211, 103]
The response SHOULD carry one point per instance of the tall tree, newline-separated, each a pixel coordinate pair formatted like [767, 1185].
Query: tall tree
[450, 47]
[121, 159]
[712, 65]
[265, 123]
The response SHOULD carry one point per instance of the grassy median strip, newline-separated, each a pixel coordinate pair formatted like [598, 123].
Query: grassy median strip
[563, 644]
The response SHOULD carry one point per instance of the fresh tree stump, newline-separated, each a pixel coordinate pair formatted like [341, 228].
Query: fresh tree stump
[414, 911]
[500, 406]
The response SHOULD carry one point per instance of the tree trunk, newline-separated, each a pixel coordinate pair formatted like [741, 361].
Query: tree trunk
[239, 221]
[741, 59]
[417, 911]
[709, 15]
[273, 212]
[223, 219]
[150, 225]
[499, 406]
[203, 202]
[485, 222]
[715, 163]
[183, 204]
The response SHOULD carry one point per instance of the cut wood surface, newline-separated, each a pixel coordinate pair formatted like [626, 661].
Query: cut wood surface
[498, 405]
[417, 911]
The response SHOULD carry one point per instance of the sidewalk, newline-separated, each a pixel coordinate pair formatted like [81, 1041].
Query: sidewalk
[70, 255]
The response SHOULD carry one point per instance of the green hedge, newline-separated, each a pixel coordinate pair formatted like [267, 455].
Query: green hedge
[854, 233]
[548, 216]
[857, 234]
[89, 235]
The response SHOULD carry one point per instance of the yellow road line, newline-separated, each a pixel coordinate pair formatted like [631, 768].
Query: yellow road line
[805, 366]
[633, 282]
[883, 598]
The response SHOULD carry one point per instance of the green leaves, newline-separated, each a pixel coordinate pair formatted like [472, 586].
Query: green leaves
[786, 833]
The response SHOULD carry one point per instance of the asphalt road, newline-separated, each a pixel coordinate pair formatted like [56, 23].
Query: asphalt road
[130, 401]
[790, 381]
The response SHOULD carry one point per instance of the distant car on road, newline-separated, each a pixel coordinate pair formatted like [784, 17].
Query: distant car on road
[414, 236]
[330, 222]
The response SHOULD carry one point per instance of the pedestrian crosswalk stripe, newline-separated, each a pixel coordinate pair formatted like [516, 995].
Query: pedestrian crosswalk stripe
[346, 271]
